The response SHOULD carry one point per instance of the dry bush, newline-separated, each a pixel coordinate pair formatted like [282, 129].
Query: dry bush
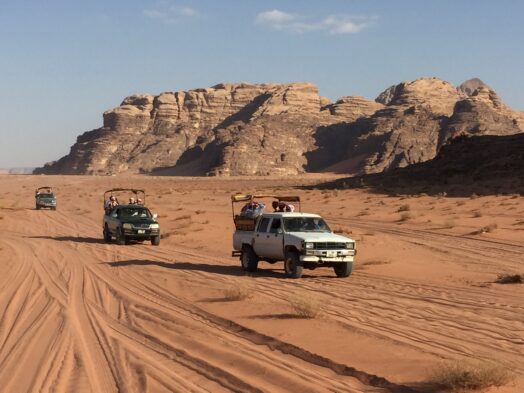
[404, 208]
[450, 223]
[461, 203]
[305, 306]
[237, 291]
[197, 212]
[365, 264]
[405, 216]
[510, 279]
[184, 217]
[363, 213]
[477, 214]
[464, 376]
[490, 227]
[1, 217]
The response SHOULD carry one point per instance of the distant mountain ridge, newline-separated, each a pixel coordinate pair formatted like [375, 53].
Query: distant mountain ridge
[285, 129]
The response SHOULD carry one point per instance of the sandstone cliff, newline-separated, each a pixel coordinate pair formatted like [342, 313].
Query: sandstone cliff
[260, 129]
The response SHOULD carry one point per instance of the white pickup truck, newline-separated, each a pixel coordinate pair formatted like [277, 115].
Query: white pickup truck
[301, 240]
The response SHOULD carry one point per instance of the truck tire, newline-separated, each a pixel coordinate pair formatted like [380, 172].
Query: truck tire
[248, 259]
[343, 269]
[37, 207]
[107, 234]
[293, 265]
[120, 237]
[155, 240]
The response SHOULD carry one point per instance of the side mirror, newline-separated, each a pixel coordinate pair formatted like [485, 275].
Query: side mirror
[280, 231]
[155, 216]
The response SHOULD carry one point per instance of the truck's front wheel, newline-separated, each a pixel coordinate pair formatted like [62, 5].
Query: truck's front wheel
[249, 259]
[343, 269]
[293, 265]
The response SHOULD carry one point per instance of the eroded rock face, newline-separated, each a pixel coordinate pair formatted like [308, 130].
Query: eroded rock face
[284, 129]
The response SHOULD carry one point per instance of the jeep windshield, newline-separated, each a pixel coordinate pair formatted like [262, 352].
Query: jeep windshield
[134, 212]
[46, 195]
[305, 224]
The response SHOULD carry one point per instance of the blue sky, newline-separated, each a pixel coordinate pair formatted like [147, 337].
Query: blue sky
[63, 63]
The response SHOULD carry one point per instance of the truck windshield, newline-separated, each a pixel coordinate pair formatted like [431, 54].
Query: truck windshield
[46, 195]
[305, 224]
[134, 212]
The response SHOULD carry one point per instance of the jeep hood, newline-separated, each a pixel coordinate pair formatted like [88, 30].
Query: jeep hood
[320, 237]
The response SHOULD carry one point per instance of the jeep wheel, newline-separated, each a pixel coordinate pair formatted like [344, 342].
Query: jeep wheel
[155, 240]
[248, 259]
[343, 269]
[37, 207]
[120, 237]
[293, 265]
[107, 235]
[53, 208]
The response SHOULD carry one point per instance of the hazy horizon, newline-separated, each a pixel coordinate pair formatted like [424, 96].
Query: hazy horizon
[65, 63]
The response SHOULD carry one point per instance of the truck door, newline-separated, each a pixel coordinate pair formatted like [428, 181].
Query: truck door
[260, 235]
[271, 241]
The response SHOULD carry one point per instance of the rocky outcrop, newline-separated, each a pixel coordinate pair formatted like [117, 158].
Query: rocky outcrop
[285, 129]
[464, 166]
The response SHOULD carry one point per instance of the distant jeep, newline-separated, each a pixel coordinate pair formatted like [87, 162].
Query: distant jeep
[130, 221]
[45, 198]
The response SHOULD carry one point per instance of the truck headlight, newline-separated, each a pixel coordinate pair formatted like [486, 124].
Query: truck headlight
[350, 245]
[154, 226]
[127, 226]
[309, 246]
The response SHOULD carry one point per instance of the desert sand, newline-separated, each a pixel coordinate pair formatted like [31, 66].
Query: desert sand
[79, 315]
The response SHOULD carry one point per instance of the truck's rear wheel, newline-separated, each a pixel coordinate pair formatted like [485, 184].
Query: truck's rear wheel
[293, 265]
[343, 269]
[248, 259]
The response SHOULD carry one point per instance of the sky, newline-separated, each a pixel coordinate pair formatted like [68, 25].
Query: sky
[64, 62]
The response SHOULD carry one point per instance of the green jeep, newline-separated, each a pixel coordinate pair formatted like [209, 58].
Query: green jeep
[131, 221]
[45, 198]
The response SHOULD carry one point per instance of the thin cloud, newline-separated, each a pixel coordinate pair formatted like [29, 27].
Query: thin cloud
[293, 23]
[170, 13]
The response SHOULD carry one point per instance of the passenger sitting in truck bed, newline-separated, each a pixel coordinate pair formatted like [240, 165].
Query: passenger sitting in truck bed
[110, 204]
[252, 209]
[283, 207]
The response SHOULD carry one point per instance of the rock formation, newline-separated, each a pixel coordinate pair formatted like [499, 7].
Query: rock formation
[283, 129]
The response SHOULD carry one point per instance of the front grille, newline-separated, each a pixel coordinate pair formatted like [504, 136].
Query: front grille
[330, 246]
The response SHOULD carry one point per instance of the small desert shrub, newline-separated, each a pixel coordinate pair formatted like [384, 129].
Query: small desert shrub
[463, 376]
[477, 214]
[363, 213]
[461, 203]
[1, 217]
[305, 306]
[404, 208]
[184, 217]
[491, 227]
[509, 279]
[238, 291]
[199, 212]
[405, 216]
[450, 223]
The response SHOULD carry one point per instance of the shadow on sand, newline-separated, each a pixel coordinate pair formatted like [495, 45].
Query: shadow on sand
[76, 239]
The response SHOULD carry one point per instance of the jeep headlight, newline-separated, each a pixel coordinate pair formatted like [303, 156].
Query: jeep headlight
[154, 226]
[350, 245]
[309, 246]
[127, 226]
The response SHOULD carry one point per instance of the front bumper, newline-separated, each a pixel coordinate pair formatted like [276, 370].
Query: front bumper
[326, 256]
[140, 233]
